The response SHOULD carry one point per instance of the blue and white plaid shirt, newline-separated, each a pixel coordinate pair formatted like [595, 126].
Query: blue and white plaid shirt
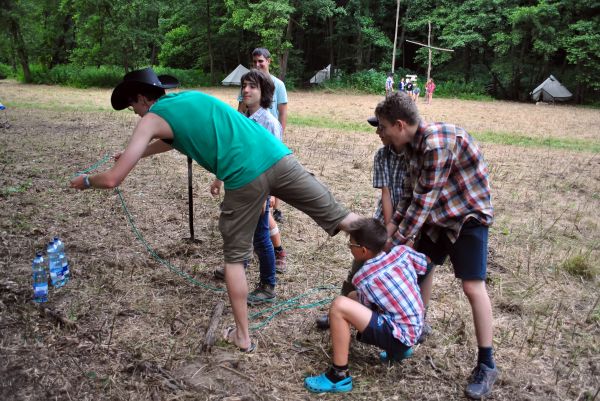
[267, 120]
[389, 170]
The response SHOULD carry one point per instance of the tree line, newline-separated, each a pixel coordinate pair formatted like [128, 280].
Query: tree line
[504, 47]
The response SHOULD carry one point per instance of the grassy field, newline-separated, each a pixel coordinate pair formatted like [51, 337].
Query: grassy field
[131, 323]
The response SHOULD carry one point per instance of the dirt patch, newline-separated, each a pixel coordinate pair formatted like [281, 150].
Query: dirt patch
[127, 327]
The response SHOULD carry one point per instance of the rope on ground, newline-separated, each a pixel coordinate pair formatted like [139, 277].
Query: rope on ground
[276, 308]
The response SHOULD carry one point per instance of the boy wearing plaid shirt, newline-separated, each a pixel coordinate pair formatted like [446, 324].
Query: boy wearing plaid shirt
[386, 307]
[450, 209]
[389, 169]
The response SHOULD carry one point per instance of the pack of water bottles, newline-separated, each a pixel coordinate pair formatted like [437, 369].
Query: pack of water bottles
[54, 265]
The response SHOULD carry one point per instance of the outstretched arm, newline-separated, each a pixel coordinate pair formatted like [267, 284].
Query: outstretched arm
[149, 127]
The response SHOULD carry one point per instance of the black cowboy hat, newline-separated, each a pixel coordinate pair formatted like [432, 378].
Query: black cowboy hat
[135, 79]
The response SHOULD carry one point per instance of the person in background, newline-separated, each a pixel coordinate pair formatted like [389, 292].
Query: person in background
[257, 94]
[261, 58]
[430, 88]
[401, 85]
[409, 88]
[389, 84]
[416, 91]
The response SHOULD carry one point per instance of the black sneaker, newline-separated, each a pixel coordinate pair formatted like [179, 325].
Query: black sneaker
[219, 273]
[323, 322]
[277, 215]
[427, 330]
[481, 382]
[264, 293]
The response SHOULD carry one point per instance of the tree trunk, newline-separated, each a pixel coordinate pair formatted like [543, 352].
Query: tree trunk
[211, 57]
[15, 32]
[467, 75]
[283, 62]
[359, 57]
[331, 48]
[402, 33]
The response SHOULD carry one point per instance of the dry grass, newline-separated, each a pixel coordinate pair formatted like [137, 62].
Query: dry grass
[139, 327]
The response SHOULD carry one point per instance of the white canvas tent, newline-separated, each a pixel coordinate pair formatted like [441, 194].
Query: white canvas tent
[235, 76]
[551, 91]
[321, 75]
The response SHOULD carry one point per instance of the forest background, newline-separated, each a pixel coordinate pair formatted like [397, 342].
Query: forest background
[502, 48]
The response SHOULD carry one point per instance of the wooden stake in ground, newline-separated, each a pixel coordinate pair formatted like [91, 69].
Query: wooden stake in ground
[395, 35]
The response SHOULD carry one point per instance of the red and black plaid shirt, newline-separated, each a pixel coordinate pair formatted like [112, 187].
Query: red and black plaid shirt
[447, 183]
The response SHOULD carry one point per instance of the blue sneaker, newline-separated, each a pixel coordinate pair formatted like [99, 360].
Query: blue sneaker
[383, 356]
[321, 384]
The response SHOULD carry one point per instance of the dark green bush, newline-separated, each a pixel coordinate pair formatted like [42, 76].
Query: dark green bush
[459, 89]
[6, 71]
[103, 76]
[364, 81]
[85, 77]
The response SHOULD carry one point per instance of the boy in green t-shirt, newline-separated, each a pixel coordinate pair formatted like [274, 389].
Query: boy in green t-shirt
[246, 157]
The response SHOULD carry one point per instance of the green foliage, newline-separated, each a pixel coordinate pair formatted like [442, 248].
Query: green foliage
[580, 265]
[6, 71]
[460, 89]
[582, 44]
[85, 77]
[268, 19]
[106, 76]
[173, 51]
[363, 81]
[187, 78]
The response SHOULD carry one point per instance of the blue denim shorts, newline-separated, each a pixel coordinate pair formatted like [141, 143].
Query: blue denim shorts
[379, 332]
[468, 254]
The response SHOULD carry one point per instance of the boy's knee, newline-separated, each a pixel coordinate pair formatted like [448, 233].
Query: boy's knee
[474, 288]
[339, 304]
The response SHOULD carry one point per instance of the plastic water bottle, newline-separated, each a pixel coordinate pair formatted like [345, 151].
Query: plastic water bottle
[56, 274]
[62, 258]
[40, 278]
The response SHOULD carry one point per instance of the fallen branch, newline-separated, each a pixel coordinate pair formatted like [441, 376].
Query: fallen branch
[210, 337]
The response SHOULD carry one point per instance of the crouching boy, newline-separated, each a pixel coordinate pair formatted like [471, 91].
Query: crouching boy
[386, 308]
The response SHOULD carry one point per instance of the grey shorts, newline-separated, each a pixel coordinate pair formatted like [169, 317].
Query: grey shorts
[287, 180]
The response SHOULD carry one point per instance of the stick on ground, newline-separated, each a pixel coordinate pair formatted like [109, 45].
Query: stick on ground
[210, 336]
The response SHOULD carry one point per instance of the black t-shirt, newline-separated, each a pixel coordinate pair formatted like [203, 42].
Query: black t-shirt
[409, 86]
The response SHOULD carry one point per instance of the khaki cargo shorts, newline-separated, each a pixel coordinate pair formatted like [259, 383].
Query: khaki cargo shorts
[289, 181]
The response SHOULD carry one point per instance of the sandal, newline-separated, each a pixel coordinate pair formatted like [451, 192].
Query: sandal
[321, 384]
[227, 333]
[385, 357]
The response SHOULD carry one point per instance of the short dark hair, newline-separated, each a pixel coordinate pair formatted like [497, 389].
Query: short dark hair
[398, 106]
[370, 233]
[261, 51]
[265, 83]
[149, 91]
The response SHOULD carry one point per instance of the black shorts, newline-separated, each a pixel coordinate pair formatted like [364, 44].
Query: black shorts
[468, 254]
